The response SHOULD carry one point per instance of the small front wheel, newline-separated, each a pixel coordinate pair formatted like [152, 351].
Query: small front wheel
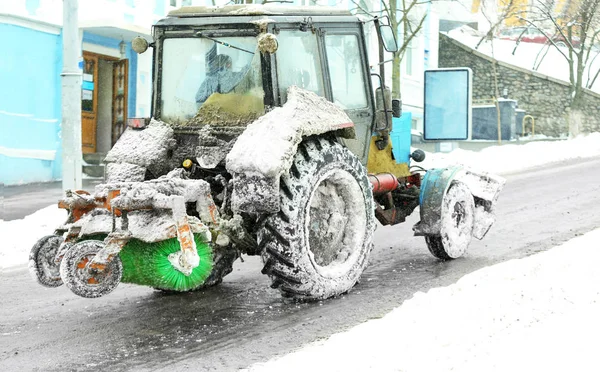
[42, 265]
[84, 281]
[456, 224]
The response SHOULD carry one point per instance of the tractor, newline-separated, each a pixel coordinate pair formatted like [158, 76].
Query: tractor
[268, 138]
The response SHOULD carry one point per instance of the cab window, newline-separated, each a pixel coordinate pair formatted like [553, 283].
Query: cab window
[298, 62]
[347, 79]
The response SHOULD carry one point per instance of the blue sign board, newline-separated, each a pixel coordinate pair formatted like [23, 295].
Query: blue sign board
[447, 113]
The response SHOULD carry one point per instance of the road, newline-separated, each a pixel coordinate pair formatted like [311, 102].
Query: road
[243, 321]
[22, 200]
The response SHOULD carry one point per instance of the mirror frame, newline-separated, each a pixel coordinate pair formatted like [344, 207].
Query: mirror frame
[387, 36]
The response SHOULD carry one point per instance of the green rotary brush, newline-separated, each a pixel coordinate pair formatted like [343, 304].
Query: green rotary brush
[148, 264]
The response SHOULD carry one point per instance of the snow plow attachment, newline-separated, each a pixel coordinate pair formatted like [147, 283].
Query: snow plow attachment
[132, 232]
[455, 205]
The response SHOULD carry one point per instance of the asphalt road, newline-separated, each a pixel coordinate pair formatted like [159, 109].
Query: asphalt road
[243, 321]
[21, 200]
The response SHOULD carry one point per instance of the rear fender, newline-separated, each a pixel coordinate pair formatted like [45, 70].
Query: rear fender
[484, 187]
[266, 149]
[434, 185]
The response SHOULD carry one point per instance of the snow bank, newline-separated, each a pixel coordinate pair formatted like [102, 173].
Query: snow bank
[510, 158]
[533, 314]
[19, 236]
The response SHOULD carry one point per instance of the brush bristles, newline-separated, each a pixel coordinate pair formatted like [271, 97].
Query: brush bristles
[148, 264]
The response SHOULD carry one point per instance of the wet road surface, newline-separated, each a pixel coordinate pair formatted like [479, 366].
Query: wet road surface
[243, 321]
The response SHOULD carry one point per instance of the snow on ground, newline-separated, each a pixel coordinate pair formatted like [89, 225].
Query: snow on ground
[512, 157]
[531, 314]
[18, 236]
[538, 313]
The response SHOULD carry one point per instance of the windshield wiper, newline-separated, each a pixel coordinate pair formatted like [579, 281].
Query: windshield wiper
[199, 34]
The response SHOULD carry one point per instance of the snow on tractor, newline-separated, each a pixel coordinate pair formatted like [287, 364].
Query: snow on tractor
[268, 139]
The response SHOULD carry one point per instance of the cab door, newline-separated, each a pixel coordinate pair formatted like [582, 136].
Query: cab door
[349, 82]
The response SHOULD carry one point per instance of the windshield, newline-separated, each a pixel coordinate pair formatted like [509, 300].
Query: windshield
[211, 81]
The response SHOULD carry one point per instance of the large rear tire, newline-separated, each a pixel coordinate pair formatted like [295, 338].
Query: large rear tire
[456, 224]
[318, 244]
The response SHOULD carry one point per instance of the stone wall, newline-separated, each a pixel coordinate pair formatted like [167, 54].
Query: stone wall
[545, 98]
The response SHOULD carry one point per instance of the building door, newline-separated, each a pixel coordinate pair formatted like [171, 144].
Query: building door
[120, 78]
[89, 103]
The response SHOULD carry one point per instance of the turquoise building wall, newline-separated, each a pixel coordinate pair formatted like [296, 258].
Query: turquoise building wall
[30, 110]
[30, 102]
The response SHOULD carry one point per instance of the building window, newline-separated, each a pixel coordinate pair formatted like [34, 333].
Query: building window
[186, 2]
[173, 2]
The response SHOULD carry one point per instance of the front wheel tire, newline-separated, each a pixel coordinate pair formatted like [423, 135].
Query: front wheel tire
[318, 244]
[86, 282]
[456, 224]
[42, 265]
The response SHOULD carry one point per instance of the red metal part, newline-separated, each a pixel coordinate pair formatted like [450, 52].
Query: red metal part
[383, 183]
[77, 207]
[414, 179]
[111, 195]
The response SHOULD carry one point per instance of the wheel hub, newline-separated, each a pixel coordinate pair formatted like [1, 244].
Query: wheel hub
[335, 221]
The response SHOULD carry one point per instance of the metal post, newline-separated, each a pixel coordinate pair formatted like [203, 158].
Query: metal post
[71, 98]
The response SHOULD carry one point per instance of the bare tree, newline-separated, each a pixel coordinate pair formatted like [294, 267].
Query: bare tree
[496, 15]
[573, 29]
[406, 19]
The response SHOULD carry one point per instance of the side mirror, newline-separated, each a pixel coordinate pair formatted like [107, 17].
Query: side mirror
[396, 108]
[388, 39]
[139, 44]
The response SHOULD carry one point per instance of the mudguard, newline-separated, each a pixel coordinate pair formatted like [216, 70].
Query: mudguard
[484, 187]
[266, 149]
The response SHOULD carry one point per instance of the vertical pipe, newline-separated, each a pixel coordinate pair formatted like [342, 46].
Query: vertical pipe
[71, 98]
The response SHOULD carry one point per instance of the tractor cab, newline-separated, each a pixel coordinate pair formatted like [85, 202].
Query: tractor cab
[225, 67]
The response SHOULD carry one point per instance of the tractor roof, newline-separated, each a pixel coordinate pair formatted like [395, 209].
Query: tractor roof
[256, 9]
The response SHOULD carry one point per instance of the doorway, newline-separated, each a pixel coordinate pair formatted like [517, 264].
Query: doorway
[103, 102]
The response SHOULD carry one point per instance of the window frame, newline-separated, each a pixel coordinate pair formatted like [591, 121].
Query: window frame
[346, 32]
[163, 33]
[275, 61]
